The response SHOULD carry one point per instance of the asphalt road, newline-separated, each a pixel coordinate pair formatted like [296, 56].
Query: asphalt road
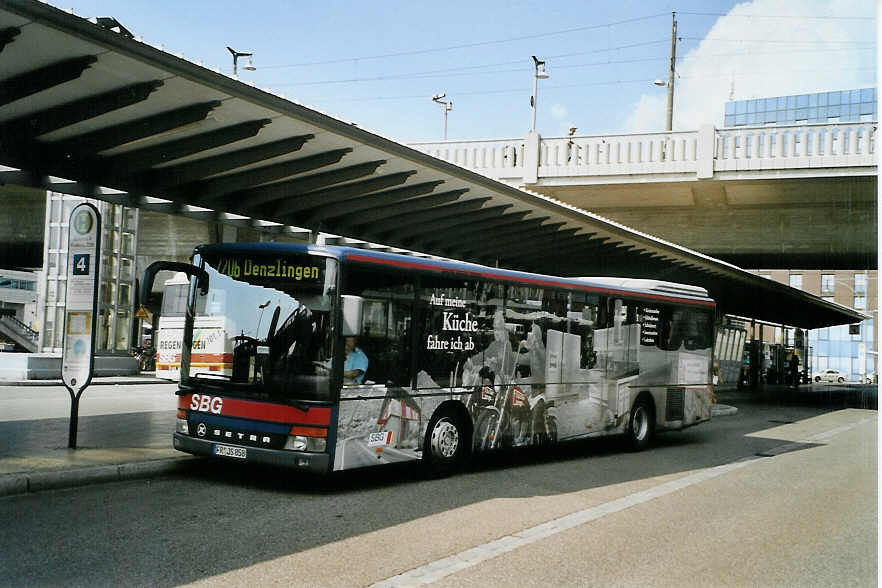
[698, 508]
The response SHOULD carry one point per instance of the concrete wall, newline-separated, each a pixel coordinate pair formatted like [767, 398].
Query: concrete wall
[22, 225]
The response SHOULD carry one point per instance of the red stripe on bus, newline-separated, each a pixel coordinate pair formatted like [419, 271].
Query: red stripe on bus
[539, 282]
[265, 411]
[308, 431]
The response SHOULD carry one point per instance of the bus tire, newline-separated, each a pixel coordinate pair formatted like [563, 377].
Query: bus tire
[641, 424]
[445, 447]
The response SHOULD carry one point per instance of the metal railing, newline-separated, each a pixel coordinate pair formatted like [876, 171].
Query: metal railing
[19, 327]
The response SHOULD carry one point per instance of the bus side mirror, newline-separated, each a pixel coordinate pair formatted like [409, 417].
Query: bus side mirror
[353, 309]
[175, 266]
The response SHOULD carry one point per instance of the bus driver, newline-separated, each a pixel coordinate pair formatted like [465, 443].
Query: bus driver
[356, 362]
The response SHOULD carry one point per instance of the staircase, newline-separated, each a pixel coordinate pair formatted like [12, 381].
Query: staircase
[16, 331]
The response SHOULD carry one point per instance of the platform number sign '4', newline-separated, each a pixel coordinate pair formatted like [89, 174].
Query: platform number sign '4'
[81, 264]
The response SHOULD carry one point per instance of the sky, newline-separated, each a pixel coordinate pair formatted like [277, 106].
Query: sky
[378, 64]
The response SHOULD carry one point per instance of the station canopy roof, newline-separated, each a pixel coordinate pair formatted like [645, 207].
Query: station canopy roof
[95, 112]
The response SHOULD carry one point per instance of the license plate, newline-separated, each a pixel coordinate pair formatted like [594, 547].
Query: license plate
[227, 451]
[380, 438]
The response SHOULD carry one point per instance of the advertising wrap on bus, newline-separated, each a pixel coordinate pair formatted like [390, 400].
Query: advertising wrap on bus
[335, 358]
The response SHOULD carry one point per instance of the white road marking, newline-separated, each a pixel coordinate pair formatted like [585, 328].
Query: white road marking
[441, 568]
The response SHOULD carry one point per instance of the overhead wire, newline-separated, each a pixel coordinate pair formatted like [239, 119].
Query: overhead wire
[458, 71]
[824, 45]
[786, 16]
[779, 41]
[600, 83]
[470, 45]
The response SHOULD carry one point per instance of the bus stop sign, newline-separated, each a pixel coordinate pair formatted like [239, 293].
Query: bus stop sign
[77, 359]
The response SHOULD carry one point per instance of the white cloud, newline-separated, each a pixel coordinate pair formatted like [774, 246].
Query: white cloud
[765, 57]
[558, 111]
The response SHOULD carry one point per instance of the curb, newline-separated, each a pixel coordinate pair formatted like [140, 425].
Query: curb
[140, 381]
[719, 410]
[24, 483]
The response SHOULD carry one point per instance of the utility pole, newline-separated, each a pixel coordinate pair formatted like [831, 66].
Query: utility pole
[672, 72]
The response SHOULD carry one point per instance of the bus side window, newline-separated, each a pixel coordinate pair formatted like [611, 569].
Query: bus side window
[583, 315]
[386, 324]
[524, 319]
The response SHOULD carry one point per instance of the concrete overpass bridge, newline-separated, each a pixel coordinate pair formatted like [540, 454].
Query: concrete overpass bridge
[800, 196]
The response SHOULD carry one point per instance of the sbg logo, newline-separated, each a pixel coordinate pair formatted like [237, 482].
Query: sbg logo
[205, 403]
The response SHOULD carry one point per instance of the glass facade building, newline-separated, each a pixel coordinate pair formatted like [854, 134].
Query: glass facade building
[116, 276]
[820, 107]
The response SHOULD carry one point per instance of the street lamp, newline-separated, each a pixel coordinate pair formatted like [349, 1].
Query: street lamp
[262, 307]
[445, 108]
[236, 56]
[539, 73]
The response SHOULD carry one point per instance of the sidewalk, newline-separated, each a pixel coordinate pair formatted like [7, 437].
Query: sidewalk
[124, 432]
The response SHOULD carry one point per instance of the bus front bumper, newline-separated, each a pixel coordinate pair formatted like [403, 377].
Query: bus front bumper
[318, 463]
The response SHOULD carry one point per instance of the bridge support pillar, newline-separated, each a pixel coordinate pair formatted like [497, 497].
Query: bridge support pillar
[707, 138]
[531, 158]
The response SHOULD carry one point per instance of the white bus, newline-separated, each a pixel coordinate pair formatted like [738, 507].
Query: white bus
[460, 358]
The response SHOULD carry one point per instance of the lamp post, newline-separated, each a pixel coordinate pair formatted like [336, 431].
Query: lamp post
[262, 307]
[236, 56]
[445, 108]
[539, 73]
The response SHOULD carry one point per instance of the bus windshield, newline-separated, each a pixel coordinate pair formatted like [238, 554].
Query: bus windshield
[271, 315]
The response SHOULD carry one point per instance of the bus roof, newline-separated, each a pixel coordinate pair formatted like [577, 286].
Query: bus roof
[635, 287]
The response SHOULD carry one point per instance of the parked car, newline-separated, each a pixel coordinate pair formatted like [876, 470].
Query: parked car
[830, 376]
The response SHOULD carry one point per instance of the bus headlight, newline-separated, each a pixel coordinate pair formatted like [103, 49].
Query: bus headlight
[301, 443]
[182, 427]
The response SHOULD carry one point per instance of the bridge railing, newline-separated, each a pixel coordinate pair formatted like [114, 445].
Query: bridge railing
[497, 158]
[664, 156]
[619, 154]
[798, 146]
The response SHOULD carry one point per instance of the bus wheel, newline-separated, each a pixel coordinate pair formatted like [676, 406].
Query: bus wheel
[446, 443]
[640, 426]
